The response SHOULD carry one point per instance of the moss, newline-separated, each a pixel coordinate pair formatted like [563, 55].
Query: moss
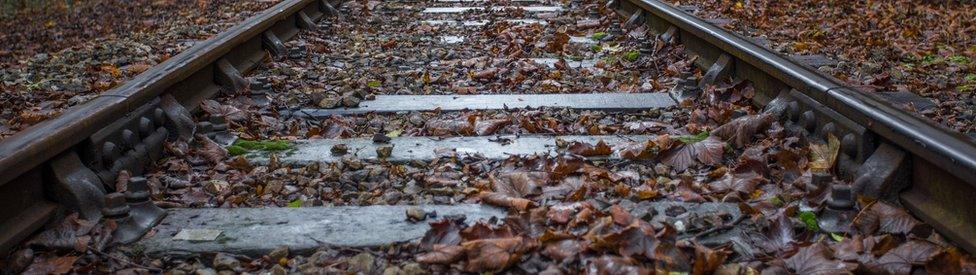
[598, 35]
[959, 59]
[596, 48]
[262, 145]
[235, 150]
[632, 55]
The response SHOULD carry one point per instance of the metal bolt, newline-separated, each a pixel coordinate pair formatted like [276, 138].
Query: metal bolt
[129, 139]
[794, 111]
[138, 190]
[828, 129]
[841, 197]
[146, 126]
[849, 145]
[159, 116]
[110, 153]
[819, 180]
[809, 121]
[115, 206]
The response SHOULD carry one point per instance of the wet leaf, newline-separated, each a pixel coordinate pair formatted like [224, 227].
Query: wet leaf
[441, 254]
[741, 131]
[816, 259]
[588, 150]
[901, 259]
[823, 156]
[707, 151]
[885, 218]
[442, 232]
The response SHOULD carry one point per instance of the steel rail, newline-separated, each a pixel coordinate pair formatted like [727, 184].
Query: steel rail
[946, 148]
[942, 176]
[32, 146]
[40, 166]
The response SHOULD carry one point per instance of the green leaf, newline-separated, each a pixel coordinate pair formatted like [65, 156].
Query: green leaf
[810, 219]
[836, 237]
[632, 55]
[971, 78]
[692, 139]
[598, 35]
[959, 59]
[373, 83]
[596, 48]
[295, 204]
[394, 133]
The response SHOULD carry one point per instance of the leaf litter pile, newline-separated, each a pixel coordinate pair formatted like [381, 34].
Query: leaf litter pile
[721, 187]
[62, 55]
[883, 46]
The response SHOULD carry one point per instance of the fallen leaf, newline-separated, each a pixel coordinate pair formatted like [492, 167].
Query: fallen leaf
[823, 156]
[708, 151]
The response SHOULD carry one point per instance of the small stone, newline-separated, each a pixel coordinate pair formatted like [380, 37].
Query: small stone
[278, 270]
[340, 149]
[370, 96]
[216, 186]
[384, 152]
[381, 138]
[225, 262]
[414, 269]
[350, 100]
[362, 262]
[176, 272]
[328, 102]
[279, 253]
[416, 214]
[205, 271]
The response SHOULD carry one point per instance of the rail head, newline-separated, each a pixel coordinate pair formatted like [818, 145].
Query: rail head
[950, 150]
[35, 145]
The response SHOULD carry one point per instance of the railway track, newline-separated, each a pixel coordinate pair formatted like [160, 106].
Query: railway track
[492, 84]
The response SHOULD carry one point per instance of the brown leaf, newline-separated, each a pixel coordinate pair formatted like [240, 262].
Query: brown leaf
[502, 200]
[740, 131]
[441, 232]
[644, 127]
[885, 218]
[441, 254]
[816, 259]
[743, 183]
[637, 150]
[707, 260]
[558, 42]
[485, 74]
[589, 150]
[823, 156]
[482, 230]
[614, 265]
[562, 250]
[708, 152]
[901, 259]
[226, 111]
[54, 265]
[490, 126]
[518, 184]
[449, 127]
[492, 255]
[632, 240]
[210, 150]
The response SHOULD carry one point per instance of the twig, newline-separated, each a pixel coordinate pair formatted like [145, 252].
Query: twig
[720, 228]
[123, 261]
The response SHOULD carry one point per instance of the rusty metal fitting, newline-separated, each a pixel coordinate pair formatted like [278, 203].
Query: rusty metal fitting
[143, 211]
[115, 206]
[818, 181]
[841, 197]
